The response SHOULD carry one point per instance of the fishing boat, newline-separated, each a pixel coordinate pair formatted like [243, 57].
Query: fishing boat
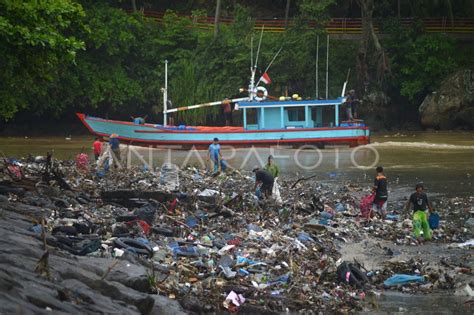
[277, 123]
[282, 122]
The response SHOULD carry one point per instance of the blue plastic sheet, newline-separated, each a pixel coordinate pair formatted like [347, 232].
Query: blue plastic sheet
[402, 279]
[305, 237]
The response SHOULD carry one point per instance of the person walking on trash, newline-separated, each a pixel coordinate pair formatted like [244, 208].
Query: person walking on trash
[272, 167]
[97, 147]
[214, 154]
[381, 194]
[420, 202]
[265, 180]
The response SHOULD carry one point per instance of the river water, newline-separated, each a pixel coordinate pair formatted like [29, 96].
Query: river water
[442, 160]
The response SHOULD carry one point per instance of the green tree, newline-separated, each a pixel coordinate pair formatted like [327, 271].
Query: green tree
[420, 61]
[36, 37]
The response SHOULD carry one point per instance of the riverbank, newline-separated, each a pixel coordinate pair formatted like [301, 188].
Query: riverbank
[211, 239]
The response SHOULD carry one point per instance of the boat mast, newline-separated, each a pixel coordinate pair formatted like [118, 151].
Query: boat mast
[317, 67]
[345, 83]
[252, 92]
[165, 96]
[327, 68]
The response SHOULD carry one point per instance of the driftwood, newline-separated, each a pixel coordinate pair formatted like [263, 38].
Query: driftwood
[302, 179]
[135, 198]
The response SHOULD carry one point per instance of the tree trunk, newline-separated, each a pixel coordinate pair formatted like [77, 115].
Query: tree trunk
[134, 5]
[368, 36]
[216, 18]
[287, 12]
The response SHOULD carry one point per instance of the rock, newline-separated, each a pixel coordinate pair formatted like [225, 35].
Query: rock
[470, 222]
[165, 306]
[452, 105]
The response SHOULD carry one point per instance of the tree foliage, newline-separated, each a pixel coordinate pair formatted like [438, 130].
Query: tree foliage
[36, 38]
[62, 56]
[419, 60]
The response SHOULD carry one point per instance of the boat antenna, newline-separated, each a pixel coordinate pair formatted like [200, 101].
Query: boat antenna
[345, 83]
[165, 96]
[258, 49]
[270, 64]
[251, 52]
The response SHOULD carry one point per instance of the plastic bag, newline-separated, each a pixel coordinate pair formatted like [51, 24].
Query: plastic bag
[401, 279]
[433, 220]
[169, 176]
[276, 192]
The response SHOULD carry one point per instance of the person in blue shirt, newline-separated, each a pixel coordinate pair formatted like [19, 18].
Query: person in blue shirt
[114, 143]
[214, 154]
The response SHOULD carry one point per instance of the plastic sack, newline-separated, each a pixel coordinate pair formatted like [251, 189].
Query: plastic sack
[366, 206]
[169, 176]
[401, 279]
[82, 162]
[433, 221]
[351, 274]
[276, 192]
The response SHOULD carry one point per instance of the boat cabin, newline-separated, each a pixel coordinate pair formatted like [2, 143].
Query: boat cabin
[288, 114]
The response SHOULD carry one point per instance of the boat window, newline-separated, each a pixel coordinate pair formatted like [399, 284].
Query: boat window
[296, 114]
[252, 116]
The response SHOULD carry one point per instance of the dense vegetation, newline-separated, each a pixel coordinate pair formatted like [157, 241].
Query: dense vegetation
[105, 58]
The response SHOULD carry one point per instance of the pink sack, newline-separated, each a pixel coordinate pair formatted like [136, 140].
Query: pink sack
[82, 162]
[366, 206]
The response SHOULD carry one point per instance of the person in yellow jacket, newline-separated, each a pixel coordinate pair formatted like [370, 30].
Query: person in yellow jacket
[272, 167]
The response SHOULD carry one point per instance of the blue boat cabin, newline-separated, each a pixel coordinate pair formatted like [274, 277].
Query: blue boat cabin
[287, 114]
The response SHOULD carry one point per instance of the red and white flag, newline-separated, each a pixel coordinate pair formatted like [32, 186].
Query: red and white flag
[266, 79]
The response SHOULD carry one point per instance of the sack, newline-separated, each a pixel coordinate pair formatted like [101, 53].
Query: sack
[276, 192]
[169, 176]
[366, 206]
[433, 221]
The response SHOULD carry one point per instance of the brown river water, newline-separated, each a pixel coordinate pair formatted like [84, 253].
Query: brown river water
[442, 160]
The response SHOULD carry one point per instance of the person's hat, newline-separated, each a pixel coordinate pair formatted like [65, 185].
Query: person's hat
[295, 96]
[216, 139]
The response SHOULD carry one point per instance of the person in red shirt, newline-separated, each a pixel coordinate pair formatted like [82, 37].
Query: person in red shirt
[97, 146]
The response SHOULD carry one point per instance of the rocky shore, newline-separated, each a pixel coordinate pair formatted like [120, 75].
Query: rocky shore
[128, 242]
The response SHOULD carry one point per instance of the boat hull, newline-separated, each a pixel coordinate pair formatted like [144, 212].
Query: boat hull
[201, 137]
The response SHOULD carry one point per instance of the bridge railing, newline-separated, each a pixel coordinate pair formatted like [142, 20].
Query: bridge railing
[335, 25]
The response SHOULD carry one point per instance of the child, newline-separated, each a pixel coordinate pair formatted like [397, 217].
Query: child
[380, 189]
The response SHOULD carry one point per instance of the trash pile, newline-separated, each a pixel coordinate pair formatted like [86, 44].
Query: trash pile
[210, 243]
